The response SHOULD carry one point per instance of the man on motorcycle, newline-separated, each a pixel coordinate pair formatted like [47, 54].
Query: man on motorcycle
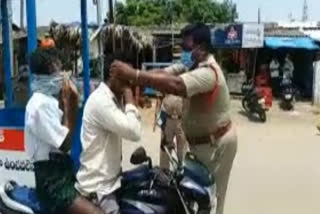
[50, 121]
[105, 123]
[206, 117]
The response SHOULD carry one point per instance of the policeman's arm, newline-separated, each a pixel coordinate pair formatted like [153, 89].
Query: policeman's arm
[163, 82]
[198, 81]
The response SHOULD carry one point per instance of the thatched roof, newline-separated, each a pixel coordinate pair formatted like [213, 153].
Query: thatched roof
[66, 35]
[71, 34]
[17, 33]
[128, 37]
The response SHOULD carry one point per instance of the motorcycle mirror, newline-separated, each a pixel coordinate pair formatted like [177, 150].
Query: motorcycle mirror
[139, 156]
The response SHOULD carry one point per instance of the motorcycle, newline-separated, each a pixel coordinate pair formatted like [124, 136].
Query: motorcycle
[188, 188]
[253, 103]
[287, 95]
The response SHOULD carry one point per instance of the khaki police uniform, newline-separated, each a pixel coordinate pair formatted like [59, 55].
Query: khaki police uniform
[207, 125]
[173, 134]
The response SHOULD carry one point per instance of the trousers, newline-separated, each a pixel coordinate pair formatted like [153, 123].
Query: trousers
[218, 157]
[109, 204]
[174, 137]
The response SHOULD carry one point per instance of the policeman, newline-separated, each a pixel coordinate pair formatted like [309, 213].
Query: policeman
[206, 118]
[172, 134]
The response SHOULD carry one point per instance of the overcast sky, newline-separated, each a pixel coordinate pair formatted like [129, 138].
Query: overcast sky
[271, 10]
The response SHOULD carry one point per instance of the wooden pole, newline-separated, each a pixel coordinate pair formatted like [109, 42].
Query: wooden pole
[111, 21]
[111, 15]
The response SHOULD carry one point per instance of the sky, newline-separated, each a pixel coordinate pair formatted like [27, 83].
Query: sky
[66, 11]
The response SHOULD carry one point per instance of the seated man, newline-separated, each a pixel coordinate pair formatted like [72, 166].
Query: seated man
[49, 125]
[105, 124]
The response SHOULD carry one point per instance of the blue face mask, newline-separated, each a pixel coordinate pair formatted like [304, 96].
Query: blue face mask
[47, 84]
[186, 59]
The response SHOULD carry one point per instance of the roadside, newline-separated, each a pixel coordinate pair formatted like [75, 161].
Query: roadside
[277, 168]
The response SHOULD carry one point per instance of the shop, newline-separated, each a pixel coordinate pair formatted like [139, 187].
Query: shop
[289, 51]
[236, 47]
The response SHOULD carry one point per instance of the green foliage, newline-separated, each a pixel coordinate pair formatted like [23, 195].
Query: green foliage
[162, 12]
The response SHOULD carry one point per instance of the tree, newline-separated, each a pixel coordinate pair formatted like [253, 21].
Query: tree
[162, 12]
[140, 12]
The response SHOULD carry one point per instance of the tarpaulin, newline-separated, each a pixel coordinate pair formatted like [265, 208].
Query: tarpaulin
[313, 34]
[291, 42]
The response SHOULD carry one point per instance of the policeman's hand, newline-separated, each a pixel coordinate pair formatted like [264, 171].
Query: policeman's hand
[122, 70]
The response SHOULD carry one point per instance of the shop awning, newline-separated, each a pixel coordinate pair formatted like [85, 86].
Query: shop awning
[290, 42]
[313, 34]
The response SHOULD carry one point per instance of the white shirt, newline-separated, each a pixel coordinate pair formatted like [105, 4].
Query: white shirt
[288, 68]
[274, 68]
[103, 127]
[44, 132]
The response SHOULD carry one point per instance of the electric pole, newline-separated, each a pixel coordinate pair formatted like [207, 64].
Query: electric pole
[100, 42]
[305, 15]
[22, 14]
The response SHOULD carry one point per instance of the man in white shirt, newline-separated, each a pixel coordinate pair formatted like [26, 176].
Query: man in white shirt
[274, 68]
[288, 68]
[105, 124]
[50, 120]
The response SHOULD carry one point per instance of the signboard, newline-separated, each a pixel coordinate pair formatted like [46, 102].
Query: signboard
[14, 162]
[237, 36]
[252, 35]
[226, 36]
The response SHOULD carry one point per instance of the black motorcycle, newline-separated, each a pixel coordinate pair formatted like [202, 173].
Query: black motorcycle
[253, 103]
[287, 95]
[187, 189]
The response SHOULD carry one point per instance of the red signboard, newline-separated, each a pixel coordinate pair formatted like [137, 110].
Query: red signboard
[12, 140]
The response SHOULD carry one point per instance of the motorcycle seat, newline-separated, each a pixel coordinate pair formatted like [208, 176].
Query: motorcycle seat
[19, 198]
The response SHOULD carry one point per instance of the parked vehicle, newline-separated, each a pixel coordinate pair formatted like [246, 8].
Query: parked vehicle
[187, 189]
[253, 103]
[287, 95]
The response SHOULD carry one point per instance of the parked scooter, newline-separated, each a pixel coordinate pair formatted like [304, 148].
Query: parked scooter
[253, 103]
[187, 189]
[288, 96]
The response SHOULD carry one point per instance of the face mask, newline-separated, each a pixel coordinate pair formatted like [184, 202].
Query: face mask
[186, 59]
[47, 84]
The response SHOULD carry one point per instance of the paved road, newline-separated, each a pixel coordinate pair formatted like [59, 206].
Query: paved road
[277, 168]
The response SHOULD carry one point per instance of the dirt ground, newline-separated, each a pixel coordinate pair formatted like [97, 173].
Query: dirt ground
[277, 168]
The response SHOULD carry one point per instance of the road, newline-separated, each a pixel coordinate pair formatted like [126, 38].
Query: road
[277, 168]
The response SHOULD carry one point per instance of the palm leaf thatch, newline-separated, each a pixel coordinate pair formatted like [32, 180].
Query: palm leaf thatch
[68, 41]
[66, 35]
[136, 43]
[126, 37]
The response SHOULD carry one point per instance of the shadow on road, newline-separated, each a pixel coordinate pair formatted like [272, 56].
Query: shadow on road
[253, 118]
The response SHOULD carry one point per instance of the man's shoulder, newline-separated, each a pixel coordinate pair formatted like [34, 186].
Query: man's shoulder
[98, 100]
[39, 101]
